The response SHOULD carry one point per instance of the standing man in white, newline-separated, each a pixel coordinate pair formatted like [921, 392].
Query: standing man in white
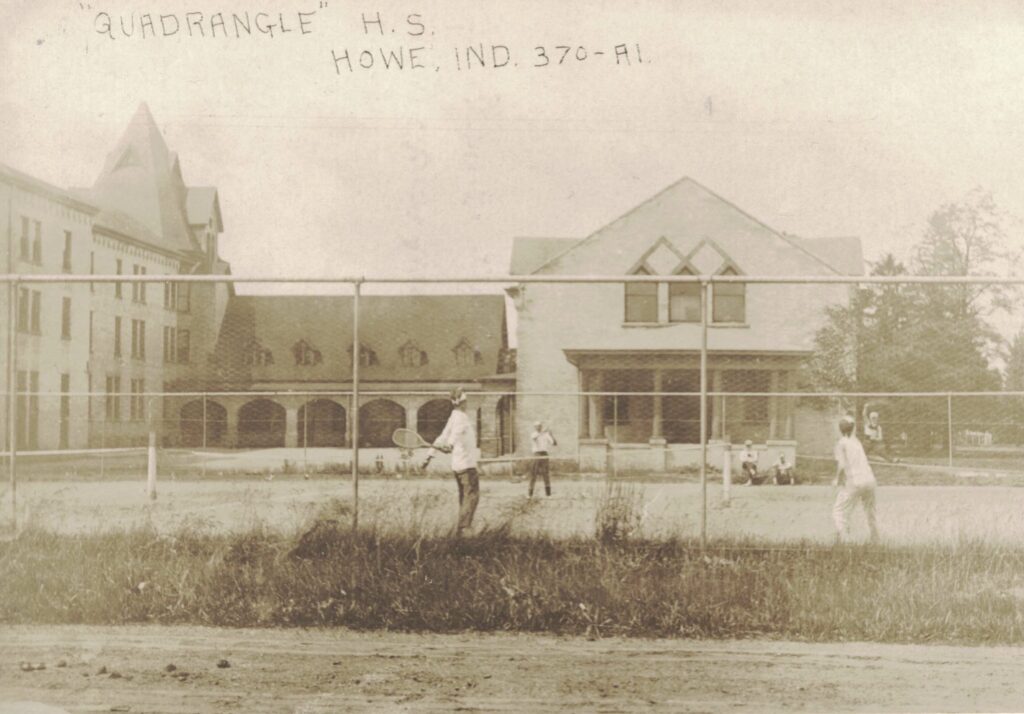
[541, 442]
[459, 439]
[856, 482]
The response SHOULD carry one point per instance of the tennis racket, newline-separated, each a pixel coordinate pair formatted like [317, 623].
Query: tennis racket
[409, 439]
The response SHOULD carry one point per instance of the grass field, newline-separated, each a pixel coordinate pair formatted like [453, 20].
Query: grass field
[765, 514]
[598, 558]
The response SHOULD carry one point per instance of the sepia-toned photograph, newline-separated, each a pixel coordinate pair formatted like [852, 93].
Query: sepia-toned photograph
[662, 356]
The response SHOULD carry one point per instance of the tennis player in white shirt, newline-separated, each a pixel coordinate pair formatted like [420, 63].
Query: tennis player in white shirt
[856, 481]
[459, 440]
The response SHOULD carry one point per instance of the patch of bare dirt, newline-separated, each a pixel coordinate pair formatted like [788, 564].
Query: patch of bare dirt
[191, 669]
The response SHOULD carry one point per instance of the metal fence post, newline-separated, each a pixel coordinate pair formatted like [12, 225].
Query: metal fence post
[12, 399]
[356, 355]
[150, 451]
[204, 436]
[704, 414]
[615, 433]
[949, 425]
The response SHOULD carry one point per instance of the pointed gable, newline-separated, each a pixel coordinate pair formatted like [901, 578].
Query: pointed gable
[693, 221]
[142, 180]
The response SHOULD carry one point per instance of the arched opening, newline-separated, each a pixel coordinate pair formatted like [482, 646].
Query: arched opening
[325, 425]
[193, 423]
[261, 424]
[431, 418]
[377, 422]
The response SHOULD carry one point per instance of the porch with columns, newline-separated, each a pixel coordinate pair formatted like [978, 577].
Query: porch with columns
[651, 413]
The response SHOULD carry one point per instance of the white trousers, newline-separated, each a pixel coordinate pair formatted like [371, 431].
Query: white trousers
[846, 501]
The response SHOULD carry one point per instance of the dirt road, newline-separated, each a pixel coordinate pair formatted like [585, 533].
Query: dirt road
[310, 672]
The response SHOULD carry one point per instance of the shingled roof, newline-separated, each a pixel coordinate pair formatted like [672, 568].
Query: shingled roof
[286, 326]
[141, 180]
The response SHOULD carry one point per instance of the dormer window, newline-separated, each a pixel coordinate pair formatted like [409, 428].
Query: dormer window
[466, 355]
[367, 357]
[305, 355]
[641, 300]
[729, 303]
[256, 355]
[411, 355]
[684, 300]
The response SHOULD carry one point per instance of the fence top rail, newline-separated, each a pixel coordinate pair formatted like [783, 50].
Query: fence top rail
[367, 394]
[524, 279]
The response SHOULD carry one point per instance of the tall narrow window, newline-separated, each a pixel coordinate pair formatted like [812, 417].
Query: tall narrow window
[33, 410]
[117, 336]
[641, 300]
[113, 399]
[684, 301]
[730, 300]
[37, 243]
[65, 319]
[92, 270]
[66, 260]
[169, 343]
[36, 296]
[184, 297]
[138, 339]
[119, 268]
[24, 309]
[183, 346]
[25, 244]
[137, 403]
[65, 409]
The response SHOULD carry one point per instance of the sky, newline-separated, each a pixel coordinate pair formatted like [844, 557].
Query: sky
[819, 118]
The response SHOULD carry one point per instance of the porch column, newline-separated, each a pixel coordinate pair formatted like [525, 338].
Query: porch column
[656, 416]
[291, 426]
[584, 405]
[596, 416]
[773, 406]
[411, 412]
[231, 425]
[788, 405]
[717, 411]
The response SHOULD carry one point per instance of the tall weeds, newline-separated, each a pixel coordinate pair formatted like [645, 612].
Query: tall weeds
[329, 576]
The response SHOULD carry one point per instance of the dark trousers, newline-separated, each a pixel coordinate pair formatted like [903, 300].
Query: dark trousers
[469, 496]
[540, 467]
[750, 471]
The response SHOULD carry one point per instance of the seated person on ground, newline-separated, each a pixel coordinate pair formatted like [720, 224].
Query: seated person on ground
[748, 464]
[782, 472]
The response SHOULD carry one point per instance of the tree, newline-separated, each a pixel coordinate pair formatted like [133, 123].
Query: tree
[924, 338]
[1013, 381]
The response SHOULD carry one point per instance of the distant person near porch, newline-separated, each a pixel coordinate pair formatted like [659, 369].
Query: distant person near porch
[874, 439]
[782, 472]
[459, 440]
[541, 442]
[748, 464]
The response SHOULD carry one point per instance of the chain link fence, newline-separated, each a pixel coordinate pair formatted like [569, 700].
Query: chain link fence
[679, 378]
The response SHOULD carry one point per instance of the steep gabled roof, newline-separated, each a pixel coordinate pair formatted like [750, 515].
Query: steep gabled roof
[142, 179]
[70, 198]
[202, 204]
[528, 254]
[694, 188]
[436, 324]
